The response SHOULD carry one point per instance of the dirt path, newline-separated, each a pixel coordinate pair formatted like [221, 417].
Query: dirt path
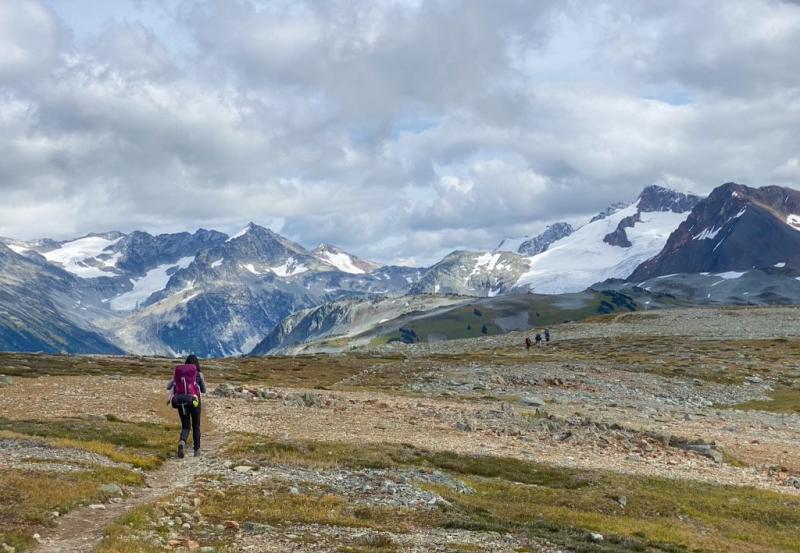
[81, 530]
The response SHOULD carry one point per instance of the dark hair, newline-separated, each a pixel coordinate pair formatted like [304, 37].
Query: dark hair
[192, 360]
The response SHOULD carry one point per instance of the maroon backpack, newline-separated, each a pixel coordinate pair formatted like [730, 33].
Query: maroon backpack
[186, 380]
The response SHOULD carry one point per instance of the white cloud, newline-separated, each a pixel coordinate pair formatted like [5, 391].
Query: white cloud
[397, 129]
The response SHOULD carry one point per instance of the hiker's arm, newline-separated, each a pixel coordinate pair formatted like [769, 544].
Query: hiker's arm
[201, 382]
[171, 384]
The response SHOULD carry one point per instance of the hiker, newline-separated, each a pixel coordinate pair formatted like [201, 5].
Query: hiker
[528, 342]
[185, 388]
[538, 339]
[546, 336]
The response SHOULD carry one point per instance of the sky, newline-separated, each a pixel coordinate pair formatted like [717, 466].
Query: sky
[397, 129]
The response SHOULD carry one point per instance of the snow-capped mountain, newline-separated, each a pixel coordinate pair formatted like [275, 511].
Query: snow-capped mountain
[608, 247]
[563, 259]
[219, 295]
[44, 308]
[225, 299]
[472, 274]
[204, 292]
[736, 228]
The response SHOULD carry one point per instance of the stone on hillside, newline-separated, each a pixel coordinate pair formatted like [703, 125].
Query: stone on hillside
[595, 537]
[256, 527]
[244, 469]
[532, 401]
[225, 390]
[110, 490]
[5, 548]
[5, 380]
[231, 525]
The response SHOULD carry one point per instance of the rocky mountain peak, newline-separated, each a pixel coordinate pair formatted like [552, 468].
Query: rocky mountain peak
[540, 243]
[736, 228]
[658, 198]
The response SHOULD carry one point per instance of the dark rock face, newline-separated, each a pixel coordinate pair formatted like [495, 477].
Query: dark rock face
[142, 251]
[736, 228]
[619, 237]
[657, 198]
[610, 210]
[654, 198]
[540, 243]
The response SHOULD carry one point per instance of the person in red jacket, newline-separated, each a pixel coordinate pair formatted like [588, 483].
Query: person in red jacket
[186, 387]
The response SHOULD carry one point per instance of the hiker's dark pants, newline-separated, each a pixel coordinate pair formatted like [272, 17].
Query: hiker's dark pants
[190, 418]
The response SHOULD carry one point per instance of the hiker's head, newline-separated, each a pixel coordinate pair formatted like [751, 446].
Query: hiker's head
[192, 360]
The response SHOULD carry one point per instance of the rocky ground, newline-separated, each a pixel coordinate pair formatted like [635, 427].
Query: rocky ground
[470, 445]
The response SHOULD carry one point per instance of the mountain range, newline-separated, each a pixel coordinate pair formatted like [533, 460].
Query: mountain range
[257, 291]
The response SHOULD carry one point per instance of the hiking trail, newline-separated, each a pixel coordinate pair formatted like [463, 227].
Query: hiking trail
[81, 530]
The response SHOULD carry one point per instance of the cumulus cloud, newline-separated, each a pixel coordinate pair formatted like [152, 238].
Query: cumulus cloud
[399, 129]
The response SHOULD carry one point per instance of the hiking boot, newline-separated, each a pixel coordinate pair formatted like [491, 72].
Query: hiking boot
[181, 446]
[197, 453]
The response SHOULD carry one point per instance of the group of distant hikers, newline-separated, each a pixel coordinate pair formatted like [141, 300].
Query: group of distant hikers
[538, 340]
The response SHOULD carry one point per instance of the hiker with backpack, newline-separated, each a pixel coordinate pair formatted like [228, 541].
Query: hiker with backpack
[546, 336]
[186, 387]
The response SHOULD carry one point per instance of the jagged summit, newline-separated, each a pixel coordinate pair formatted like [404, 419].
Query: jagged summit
[736, 228]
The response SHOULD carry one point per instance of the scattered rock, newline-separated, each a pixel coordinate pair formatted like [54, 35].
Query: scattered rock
[5, 548]
[111, 490]
[244, 469]
[532, 401]
[231, 525]
[256, 527]
[595, 537]
[6, 380]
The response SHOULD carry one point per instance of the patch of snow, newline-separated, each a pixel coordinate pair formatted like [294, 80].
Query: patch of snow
[793, 221]
[239, 234]
[780, 265]
[73, 256]
[17, 249]
[730, 275]
[250, 267]
[289, 268]
[493, 293]
[153, 281]
[707, 234]
[217, 263]
[341, 261]
[486, 261]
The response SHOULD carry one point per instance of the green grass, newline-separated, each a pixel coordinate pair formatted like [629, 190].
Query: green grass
[563, 505]
[28, 497]
[143, 445]
[785, 400]
[121, 537]
[306, 371]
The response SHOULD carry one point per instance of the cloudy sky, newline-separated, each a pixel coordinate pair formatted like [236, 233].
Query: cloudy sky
[398, 129]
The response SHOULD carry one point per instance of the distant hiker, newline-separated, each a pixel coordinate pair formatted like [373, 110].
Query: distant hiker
[546, 336]
[186, 387]
[538, 339]
[528, 342]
